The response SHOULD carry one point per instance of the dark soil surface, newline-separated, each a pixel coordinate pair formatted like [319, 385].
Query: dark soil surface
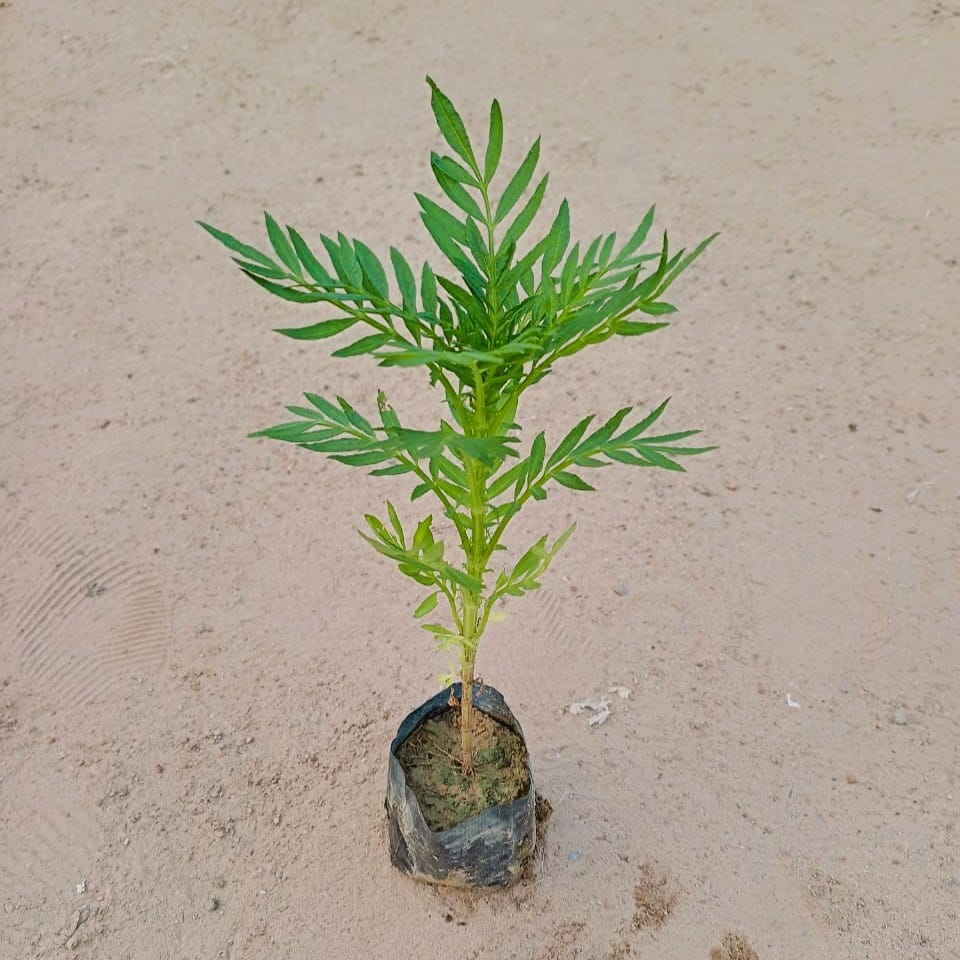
[433, 765]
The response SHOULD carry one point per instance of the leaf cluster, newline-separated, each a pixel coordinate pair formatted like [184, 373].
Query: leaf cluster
[485, 333]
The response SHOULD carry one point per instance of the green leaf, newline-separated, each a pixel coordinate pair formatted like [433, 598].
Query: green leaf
[455, 171]
[444, 221]
[333, 252]
[630, 328]
[282, 245]
[405, 280]
[355, 419]
[537, 452]
[364, 345]
[309, 261]
[525, 217]
[428, 290]
[352, 271]
[372, 270]
[392, 471]
[271, 273]
[518, 182]
[232, 243]
[326, 407]
[494, 143]
[656, 309]
[477, 244]
[561, 540]
[318, 331]
[285, 293]
[639, 235]
[450, 124]
[657, 459]
[395, 522]
[602, 434]
[538, 493]
[571, 480]
[569, 273]
[606, 250]
[362, 459]
[687, 260]
[454, 190]
[427, 605]
[507, 479]
[647, 422]
[569, 442]
[559, 238]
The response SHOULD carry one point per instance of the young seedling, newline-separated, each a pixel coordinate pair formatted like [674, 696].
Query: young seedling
[485, 335]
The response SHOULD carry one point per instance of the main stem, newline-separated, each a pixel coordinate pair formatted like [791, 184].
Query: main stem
[476, 565]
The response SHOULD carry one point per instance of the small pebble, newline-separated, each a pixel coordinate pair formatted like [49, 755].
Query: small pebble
[900, 717]
[573, 856]
[621, 590]
[8, 907]
[213, 904]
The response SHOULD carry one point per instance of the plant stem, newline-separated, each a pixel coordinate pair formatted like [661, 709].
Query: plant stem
[466, 716]
[477, 557]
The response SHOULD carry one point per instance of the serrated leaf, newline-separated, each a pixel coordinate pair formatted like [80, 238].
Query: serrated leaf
[559, 237]
[395, 522]
[405, 280]
[603, 433]
[364, 345]
[356, 420]
[285, 293]
[606, 250]
[232, 243]
[657, 459]
[645, 423]
[634, 328]
[362, 459]
[491, 159]
[538, 450]
[392, 471]
[333, 252]
[309, 261]
[455, 170]
[352, 271]
[428, 289]
[450, 124]
[318, 331]
[525, 217]
[444, 221]
[571, 480]
[455, 190]
[561, 540]
[428, 605]
[507, 479]
[656, 309]
[326, 407]
[282, 245]
[569, 442]
[518, 182]
[639, 235]
[569, 273]
[372, 270]
[270, 273]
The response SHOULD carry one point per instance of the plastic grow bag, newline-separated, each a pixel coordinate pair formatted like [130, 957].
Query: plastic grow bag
[490, 849]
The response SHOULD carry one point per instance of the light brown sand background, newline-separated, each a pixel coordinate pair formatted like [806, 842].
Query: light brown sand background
[201, 665]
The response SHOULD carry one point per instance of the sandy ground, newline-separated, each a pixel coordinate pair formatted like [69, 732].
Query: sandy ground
[202, 664]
